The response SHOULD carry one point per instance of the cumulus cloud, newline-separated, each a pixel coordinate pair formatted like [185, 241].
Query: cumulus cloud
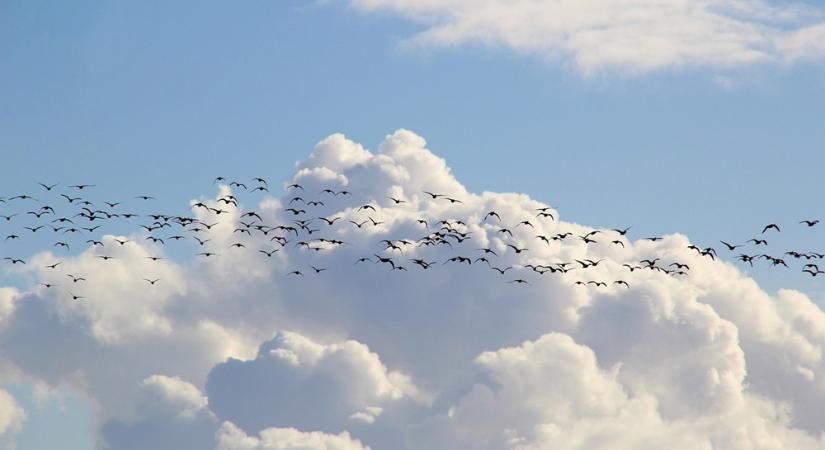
[295, 382]
[632, 36]
[230, 437]
[230, 351]
[12, 415]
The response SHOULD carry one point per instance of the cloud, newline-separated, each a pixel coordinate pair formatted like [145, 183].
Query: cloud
[630, 36]
[185, 398]
[12, 415]
[230, 437]
[231, 351]
[295, 382]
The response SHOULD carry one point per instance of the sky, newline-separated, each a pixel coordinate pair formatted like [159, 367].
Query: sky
[701, 122]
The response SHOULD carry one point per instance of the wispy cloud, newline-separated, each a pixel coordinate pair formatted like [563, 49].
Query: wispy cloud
[627, 36]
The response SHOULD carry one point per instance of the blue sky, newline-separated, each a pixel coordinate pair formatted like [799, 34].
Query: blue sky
[160, 97]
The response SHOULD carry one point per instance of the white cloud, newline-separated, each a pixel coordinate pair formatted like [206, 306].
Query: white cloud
[230, 437]
[12, 414]
[450, 357]
[633, 36]
[185, 398]
[296, 382]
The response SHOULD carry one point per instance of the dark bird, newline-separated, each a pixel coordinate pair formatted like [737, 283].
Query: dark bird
[622, 232]
[492, 214]
[152, 282]
[317, 269]
[295, 272]
[207, 254]
[268, 253]
[47, 187]
[75, 279]
[329, 221]
[617, 242]
[434, 196]
[519, 281]
[518, 250]
[80, 187]
[396, 200]
[769, 226]
[731, 247]
[758, 241]
[810, 223]
[621, 282]
[145, 197]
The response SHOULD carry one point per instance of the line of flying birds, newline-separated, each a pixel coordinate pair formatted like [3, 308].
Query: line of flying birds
[302, 227]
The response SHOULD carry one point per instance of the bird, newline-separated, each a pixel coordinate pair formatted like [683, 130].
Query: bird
[519, 281]
[621, 282]
[810, 223]
[48, 187]
[152, 282]
[622, 231]
[397, 201]
[518, 250]
[492, 214]
[731, 247]
[770, 226]
[268, 253]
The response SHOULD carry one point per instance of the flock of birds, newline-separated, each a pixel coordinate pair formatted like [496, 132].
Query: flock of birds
[75, 220]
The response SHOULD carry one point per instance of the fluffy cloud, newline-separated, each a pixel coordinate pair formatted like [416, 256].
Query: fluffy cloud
[230, 351]
[295, 382]
[629, 35]
[12, 415]
[230, 437]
